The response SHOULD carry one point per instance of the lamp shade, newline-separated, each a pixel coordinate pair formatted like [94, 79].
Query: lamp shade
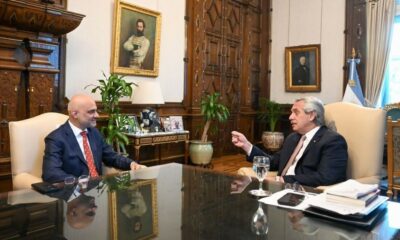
[148, 93]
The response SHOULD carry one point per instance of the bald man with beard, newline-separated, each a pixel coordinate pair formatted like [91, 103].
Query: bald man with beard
[81, 211]
[64, 151]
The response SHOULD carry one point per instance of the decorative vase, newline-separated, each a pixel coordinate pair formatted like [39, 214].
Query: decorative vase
[200, 152]
[272, 141]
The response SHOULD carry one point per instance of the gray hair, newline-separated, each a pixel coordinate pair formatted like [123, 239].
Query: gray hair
[313, 104]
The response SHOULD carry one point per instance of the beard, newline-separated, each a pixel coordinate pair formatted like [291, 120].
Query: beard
[139, 33]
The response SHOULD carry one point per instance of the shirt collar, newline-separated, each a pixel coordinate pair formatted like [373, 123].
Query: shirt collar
[310, 134]
[77, 131]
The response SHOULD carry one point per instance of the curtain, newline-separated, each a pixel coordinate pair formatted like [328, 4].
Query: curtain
[380, 18]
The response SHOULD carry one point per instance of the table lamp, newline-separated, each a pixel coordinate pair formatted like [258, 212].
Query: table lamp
[148, 93]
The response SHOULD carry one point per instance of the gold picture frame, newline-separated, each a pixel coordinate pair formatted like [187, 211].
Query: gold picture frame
[135, 53]
[303, 68]
[134, 213]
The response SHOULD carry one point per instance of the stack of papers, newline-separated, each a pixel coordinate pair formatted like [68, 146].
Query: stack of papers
[353, 193]
[352, 189]
[350, 197]
[320, 202]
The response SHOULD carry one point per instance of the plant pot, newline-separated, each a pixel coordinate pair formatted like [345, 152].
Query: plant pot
[200, 152]
[272, 141]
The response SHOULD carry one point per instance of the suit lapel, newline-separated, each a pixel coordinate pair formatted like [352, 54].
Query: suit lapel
[286, 155]
[315, 139]
[71, 139]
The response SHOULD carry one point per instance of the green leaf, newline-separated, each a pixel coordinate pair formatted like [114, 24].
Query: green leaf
[112, 88]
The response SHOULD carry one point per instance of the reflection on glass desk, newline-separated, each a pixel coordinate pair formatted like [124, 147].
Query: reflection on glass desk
[173, 201]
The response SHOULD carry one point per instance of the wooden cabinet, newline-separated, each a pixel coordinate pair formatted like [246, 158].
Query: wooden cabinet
[31, 221]
[31, 62]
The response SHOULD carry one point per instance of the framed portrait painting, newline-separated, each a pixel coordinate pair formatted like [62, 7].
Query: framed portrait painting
[134, 211]
[303, 68]
[136, 40]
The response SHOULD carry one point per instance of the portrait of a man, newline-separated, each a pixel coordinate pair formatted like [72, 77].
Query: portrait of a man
[303, 68]
[138, 45]
[301, 74]
[136, 41]
[135, 211]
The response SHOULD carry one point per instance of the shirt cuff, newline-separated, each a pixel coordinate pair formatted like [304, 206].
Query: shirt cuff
[250, 149]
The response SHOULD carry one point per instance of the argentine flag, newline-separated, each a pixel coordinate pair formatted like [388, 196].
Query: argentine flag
[353, 91]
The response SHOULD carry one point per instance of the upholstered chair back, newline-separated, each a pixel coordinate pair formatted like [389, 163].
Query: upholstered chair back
[27, 147]
[364, 130]
[393, 111]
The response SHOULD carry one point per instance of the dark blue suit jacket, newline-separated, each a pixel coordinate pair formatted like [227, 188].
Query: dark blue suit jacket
[63, 157]
[324, 161]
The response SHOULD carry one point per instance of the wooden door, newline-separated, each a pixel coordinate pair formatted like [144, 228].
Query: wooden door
[227, 52]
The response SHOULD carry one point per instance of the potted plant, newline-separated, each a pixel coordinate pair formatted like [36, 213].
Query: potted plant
[112, 89]
[212, 110]
[270, 112]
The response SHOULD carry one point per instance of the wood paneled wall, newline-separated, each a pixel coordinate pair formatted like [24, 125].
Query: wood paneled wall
[32, 53]
[228, 52]
[355, 37]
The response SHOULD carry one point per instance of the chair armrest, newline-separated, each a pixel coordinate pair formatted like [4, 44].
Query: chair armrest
[24, 181]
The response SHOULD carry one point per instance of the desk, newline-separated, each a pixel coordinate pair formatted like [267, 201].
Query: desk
[146, 139]
[186, 202]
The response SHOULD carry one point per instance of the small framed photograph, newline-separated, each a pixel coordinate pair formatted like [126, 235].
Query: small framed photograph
[133, 125]
[166, 124]
[303, 68]
[176, 123]
[134, 211]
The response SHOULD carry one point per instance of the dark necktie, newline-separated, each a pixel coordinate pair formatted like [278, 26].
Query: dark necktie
[294, 154]
[89, 156]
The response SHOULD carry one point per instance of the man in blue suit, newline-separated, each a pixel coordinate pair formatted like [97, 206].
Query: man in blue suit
[65, 151]
[321, 158]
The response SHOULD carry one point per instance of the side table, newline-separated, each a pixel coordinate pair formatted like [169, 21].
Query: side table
[144, 139]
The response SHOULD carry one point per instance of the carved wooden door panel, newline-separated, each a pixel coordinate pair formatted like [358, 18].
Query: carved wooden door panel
[355, 37]
[226, 55]
[9, 110]
[40, 93]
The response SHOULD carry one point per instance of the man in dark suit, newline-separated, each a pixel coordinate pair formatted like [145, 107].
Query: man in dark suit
[301, 74]
[313, 155]
[77, 148]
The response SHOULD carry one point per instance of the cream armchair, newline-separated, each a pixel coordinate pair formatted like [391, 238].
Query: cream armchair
[27, 147]
[364, 130]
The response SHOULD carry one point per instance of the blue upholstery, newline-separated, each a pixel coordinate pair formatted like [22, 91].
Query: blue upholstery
[393, 111]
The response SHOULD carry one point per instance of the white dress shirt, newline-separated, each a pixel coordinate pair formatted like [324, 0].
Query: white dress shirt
[309, 136]
[77, 133]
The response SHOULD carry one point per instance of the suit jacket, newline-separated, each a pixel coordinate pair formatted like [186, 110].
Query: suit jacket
[324, 161]
[63, 156]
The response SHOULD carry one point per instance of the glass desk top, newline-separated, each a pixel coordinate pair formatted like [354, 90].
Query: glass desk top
[175, 201]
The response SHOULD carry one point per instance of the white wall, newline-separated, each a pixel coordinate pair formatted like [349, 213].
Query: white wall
[89, 46]
[294, 22]
[303, 22]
